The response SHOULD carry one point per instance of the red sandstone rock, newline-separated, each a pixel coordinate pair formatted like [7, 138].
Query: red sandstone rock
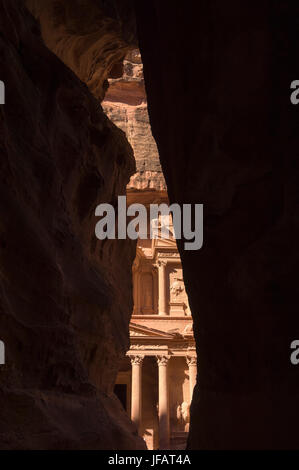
[86, 39]
[126, 105]
[64, 307]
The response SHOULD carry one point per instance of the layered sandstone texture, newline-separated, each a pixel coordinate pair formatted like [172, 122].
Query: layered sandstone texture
[126, 105]
[97, 40]
[65, 297]
[218, 77]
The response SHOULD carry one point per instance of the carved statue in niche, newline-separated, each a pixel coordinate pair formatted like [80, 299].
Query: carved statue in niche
[183, 415]
[177, 288]
[179, 304]
[136, 264]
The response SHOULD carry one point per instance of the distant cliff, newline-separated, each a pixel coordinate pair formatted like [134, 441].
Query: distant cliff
[126, 105]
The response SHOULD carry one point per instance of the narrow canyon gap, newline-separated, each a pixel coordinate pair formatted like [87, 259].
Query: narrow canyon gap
[218, 76]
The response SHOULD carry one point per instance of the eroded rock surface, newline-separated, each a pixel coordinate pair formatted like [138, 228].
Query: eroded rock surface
[65, 298]
[126, 105]
[217, 76]
[91, 37]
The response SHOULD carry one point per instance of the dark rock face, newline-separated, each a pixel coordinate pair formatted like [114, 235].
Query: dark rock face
[65, 298]
[218, 77]
[218, 88]
[91, 37]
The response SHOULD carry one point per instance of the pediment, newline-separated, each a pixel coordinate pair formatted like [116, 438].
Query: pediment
[145, 332]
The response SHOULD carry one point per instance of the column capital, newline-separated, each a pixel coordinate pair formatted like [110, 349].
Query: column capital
[160, 263]
[191, 360]
[136, 392]
[162, 360]
[163, 408]
[136, 360]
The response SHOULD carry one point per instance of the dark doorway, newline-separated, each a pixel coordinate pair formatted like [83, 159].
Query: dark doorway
[120, 391]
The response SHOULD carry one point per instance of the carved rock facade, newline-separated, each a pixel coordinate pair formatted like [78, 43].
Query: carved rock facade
[157, 387]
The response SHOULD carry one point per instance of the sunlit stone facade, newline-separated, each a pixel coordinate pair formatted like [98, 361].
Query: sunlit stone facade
[157, 378]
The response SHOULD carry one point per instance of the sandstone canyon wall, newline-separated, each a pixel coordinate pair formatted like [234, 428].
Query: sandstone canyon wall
[66, 298]
[126, 105]
[91, 37]
[217, 80]
[218, 76]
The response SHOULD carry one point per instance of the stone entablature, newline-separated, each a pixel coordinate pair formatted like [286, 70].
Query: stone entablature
[149, 340]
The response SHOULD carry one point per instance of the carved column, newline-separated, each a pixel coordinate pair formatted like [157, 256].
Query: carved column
[164, 440]
[135, 271]
[192, 364]
[161, 265]
[136, 393]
